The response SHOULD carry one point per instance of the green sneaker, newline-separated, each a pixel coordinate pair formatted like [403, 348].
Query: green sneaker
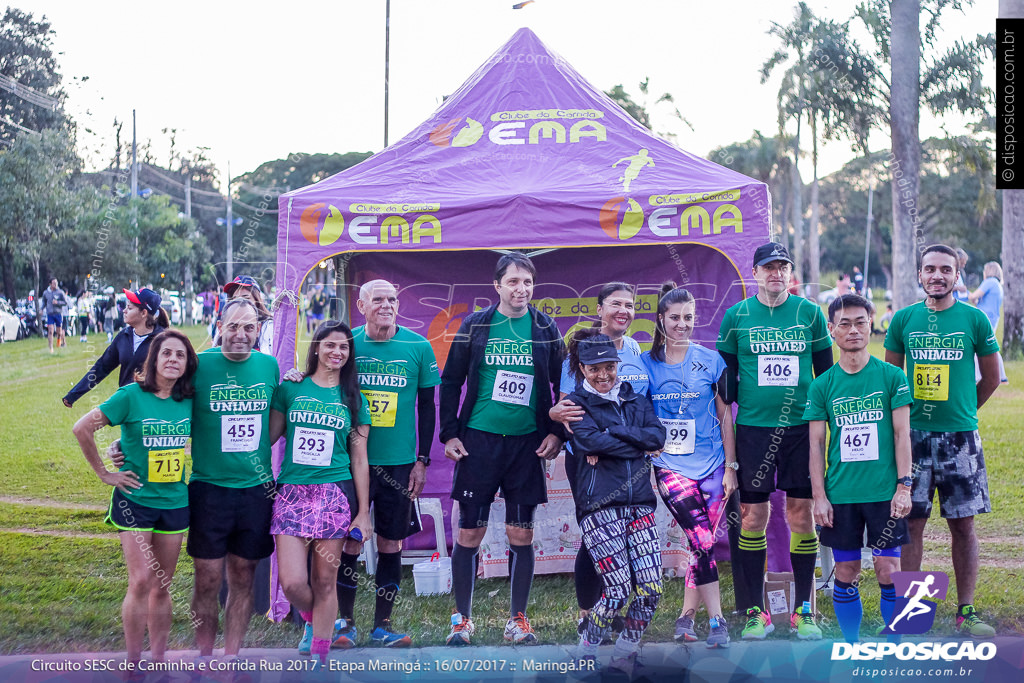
[968, 623]
[759, 624]
[802, 621]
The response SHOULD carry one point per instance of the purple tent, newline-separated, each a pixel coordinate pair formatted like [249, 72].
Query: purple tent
[526, 155]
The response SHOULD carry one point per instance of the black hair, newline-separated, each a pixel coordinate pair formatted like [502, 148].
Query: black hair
[348, 384]
[158, 319]
[610, 289]
[515, 259]
[941, 249]
[582, 334]
[146, 376]
[849, 301]
[669, 296]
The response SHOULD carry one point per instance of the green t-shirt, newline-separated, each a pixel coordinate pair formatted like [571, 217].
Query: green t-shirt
[861, 462]
[231, 419]
[940, 347]
[506, 401]
[390, 374]
[153, 436]
[774, 347]
[318, 423]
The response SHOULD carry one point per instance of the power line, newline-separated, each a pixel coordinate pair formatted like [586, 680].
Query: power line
[28, 94]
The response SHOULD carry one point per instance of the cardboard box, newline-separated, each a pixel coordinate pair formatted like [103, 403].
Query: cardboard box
[778, 593]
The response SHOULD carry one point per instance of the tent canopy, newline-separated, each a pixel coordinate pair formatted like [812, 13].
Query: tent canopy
[526, 154]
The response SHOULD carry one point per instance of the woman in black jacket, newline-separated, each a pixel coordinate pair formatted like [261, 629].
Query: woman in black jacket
[144, 319]
[614, 497]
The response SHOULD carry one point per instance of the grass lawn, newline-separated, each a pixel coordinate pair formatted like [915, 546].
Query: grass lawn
[64, 578]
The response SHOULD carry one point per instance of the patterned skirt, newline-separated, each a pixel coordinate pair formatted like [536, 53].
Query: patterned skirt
[313, 510]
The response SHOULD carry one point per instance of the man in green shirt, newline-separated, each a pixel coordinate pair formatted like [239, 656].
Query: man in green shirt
[397, 375]
[231, 491]
[865, 483]
[938, 339]
[509, 357]
[771, 343]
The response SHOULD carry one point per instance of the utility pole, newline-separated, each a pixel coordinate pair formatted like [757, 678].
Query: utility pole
[135, 167]
[387, 53]
[188, 194]
[867, 233]
[230, 264]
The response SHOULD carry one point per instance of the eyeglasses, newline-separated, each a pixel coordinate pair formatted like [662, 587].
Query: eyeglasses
[859, 324]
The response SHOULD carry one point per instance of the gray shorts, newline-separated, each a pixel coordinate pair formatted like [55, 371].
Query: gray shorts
[953, 463]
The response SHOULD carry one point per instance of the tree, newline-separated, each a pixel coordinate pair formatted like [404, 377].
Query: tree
[26, 59]
[949, 81]
[641, 110]
[34, 198]
[762, 158]
[1013, 244]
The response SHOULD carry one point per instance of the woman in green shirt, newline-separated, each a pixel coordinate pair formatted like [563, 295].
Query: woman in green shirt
[323, 486]
[149, 502]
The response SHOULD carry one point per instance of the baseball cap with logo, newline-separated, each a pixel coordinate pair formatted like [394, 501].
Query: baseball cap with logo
[773, 251]
[146, 298]
[241, 281]
[592, 352]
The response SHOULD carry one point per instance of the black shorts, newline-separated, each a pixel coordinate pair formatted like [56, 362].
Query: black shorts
[125, 515]
[393, 516]
[508, 463]
[773, 457]
[849, 521]
[227, 520]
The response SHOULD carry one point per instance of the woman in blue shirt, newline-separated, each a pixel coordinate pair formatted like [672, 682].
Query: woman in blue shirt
[696, 470]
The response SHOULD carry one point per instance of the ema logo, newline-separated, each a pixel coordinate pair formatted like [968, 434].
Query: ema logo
[619, 224]
[441, 136]
[321, 224]
[915, 610]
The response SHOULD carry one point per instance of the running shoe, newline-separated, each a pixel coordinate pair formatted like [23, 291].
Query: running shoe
[519, 632]
[718, 635]
[384, 636]
[968, 623]
[462, 630]
[307, 640]
[759, 624]
[802, 621]
[345, 635]
[684, 628]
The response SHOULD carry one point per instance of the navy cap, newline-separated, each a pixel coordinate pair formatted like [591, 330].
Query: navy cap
[594, 352]
[773, 251]
[146, 298]
[241, 281]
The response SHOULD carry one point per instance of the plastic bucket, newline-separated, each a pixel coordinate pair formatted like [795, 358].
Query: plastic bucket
[433, 576]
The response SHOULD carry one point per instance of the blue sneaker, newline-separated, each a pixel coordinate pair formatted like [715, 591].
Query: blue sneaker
[344, 635]
[384, 636]
[307, 640]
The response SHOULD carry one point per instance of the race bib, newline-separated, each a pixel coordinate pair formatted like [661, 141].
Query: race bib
[312, 446]
[859, 443]
[383, 407]
[512, 387]
[680, 436]
[240, 433]
[778, 371]
[165, 467]
[931, 382]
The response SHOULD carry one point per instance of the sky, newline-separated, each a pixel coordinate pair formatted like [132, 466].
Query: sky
[257, 81]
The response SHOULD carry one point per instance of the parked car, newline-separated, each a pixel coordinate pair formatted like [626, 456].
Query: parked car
[11, 328]
[171, 302]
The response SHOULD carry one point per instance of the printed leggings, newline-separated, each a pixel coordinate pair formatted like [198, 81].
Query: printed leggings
[696, 506]
[624, 543]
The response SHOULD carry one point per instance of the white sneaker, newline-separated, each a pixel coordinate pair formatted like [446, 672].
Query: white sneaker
[519, 632]
[462, 630]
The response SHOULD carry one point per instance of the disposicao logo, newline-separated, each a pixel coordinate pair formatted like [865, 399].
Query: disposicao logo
[619, 224]
[469, 134]
[916, 596]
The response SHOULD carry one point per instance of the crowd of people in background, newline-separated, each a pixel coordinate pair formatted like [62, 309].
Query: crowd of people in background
[860, 447]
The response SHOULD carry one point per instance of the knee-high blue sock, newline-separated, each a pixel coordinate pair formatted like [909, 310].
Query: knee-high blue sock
[849, 610]
[887, 603]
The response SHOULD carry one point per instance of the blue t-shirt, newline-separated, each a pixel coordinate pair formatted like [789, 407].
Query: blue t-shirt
[631, 369]
[684, 400]
[991, 300]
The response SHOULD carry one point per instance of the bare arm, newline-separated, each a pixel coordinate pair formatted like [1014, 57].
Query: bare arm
[724, 411]
[85, 431]
[893, 358]
[900, 506]
[361, 475]
[822, 508]
[989, 366]
[277, 426]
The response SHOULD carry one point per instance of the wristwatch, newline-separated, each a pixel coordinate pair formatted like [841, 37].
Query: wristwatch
[906, 481]
[733, 465]
[425, 459]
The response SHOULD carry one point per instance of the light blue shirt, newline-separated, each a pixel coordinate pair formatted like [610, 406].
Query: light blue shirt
[631, 369]
[991, 301]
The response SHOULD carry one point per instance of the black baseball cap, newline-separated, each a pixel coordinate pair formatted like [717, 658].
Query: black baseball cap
[597, 351]
[773, 251]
